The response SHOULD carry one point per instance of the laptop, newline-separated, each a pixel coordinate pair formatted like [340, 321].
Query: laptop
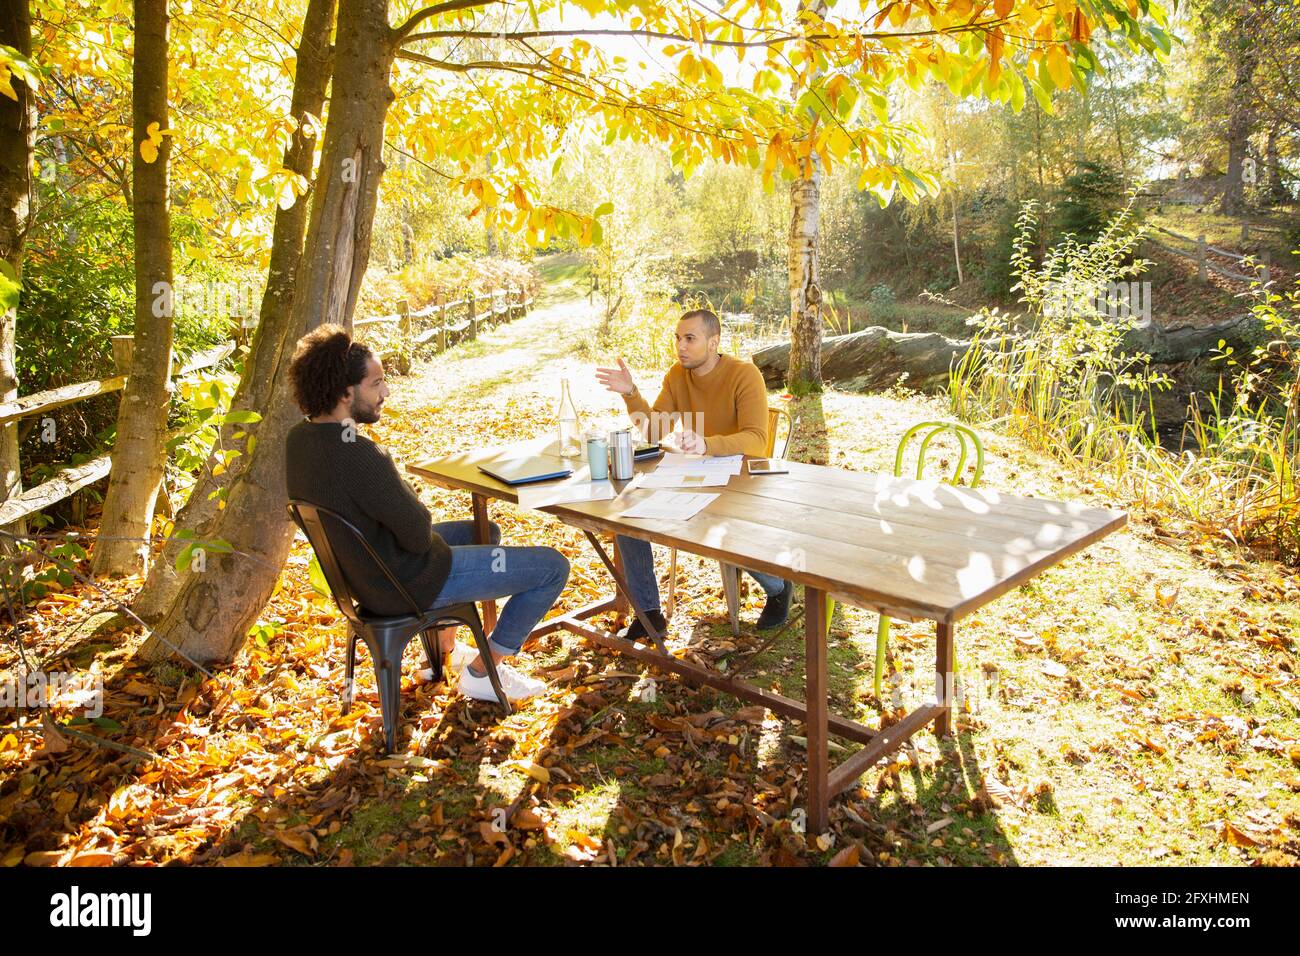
[522, 471]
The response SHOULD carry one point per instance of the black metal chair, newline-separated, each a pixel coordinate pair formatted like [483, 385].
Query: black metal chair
[386, 636]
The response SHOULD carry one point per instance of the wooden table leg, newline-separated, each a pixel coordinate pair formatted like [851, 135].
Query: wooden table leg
[815, 694]
[483, 535]
[945, 683]
[621, 608]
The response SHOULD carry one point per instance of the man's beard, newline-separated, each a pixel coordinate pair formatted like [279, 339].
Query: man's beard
[362, 413]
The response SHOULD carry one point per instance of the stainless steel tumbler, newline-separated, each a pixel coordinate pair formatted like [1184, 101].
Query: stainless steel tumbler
[621, 448]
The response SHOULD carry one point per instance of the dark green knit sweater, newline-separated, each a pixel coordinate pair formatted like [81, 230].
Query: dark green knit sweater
[359, 480]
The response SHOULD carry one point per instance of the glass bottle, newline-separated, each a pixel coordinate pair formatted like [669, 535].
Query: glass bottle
[570, 434]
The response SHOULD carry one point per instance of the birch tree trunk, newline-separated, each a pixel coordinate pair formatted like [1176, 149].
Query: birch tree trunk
[271, 336]
[209, 617]
[17, 146]
[139, 451]
[805, 372]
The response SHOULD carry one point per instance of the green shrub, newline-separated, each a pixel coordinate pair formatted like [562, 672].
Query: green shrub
[1089, 199]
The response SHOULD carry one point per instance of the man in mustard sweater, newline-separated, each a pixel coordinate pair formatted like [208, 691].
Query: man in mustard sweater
[722, 401]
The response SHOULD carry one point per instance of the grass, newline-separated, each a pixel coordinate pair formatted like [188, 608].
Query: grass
[847, 314]
[565, 276]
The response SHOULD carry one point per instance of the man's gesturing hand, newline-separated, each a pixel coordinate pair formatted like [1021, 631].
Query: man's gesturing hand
[692, 443]
[617, 379]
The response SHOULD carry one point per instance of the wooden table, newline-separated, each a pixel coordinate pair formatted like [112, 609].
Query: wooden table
[919, 550]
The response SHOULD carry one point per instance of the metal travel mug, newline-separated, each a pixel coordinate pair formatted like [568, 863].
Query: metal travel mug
[598, 457]
[620, 454]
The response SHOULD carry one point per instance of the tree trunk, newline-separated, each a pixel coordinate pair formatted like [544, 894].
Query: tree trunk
[952, 198]
[874, 359]
[270, 338]
[139, 450]
[805, 374]
[805, 286]
[1277, 192]
[17, 146]
[1240, 114]
[209, 618]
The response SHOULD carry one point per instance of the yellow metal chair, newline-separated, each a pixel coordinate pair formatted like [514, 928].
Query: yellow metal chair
[730, 572]
[933, 430]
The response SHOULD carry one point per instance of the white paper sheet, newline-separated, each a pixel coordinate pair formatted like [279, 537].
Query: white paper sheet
[675, 479]
[564, 493]
[669, 505]
[707, 465]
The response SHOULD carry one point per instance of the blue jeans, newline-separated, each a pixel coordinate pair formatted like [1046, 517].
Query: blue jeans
[532, 577]
[639, 569]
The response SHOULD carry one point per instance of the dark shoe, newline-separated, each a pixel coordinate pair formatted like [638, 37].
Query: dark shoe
[777, 609]
[635, 632]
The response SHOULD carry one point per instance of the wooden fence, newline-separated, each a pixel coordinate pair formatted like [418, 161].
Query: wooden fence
[72, 479]
[445, 324]
[1200, 255]
[437, 328]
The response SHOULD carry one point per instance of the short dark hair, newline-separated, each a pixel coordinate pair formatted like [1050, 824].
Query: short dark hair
[710, 320]
[326, 363]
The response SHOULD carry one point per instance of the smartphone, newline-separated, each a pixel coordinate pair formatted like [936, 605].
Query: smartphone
[646, 450]
[767, 466]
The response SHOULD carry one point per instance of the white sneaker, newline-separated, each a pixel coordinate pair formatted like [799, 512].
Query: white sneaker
[461, 654]
[516, 685]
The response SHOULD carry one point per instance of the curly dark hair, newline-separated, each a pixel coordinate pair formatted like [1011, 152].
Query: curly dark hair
[326, 363]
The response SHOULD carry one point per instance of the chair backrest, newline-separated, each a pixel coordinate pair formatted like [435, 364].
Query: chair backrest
[774, 415]
[935, 429]
[311, 519]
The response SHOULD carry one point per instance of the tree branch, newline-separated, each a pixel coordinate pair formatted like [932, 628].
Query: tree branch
[449, 6]
[481, 64]
[975, 26]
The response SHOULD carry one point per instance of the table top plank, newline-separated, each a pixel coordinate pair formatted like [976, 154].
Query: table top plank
[919, 549]
[934, 509]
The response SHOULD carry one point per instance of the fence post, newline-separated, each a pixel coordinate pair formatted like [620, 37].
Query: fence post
[404, 319]
[1201, 271]
[123, 347]
[1245, 231]
[1265, 273]
[442, 322]
[473, 320]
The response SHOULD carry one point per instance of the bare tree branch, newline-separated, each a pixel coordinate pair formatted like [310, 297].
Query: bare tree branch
[449, 6]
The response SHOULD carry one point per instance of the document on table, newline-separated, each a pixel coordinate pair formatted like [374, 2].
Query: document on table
[565, 492]
[701, 465]
[670, 505]
[675, 479]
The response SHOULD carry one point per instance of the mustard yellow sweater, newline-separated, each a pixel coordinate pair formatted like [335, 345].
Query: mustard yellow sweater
[729, 406]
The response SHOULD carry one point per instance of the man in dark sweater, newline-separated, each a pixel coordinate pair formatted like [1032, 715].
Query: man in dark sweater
[339, 384]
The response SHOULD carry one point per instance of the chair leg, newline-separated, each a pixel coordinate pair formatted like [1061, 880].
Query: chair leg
[349, 678]
[672, 584]
[434, 659]
[882, 638]
[731, 587]
[388, 675]
[480, 639]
